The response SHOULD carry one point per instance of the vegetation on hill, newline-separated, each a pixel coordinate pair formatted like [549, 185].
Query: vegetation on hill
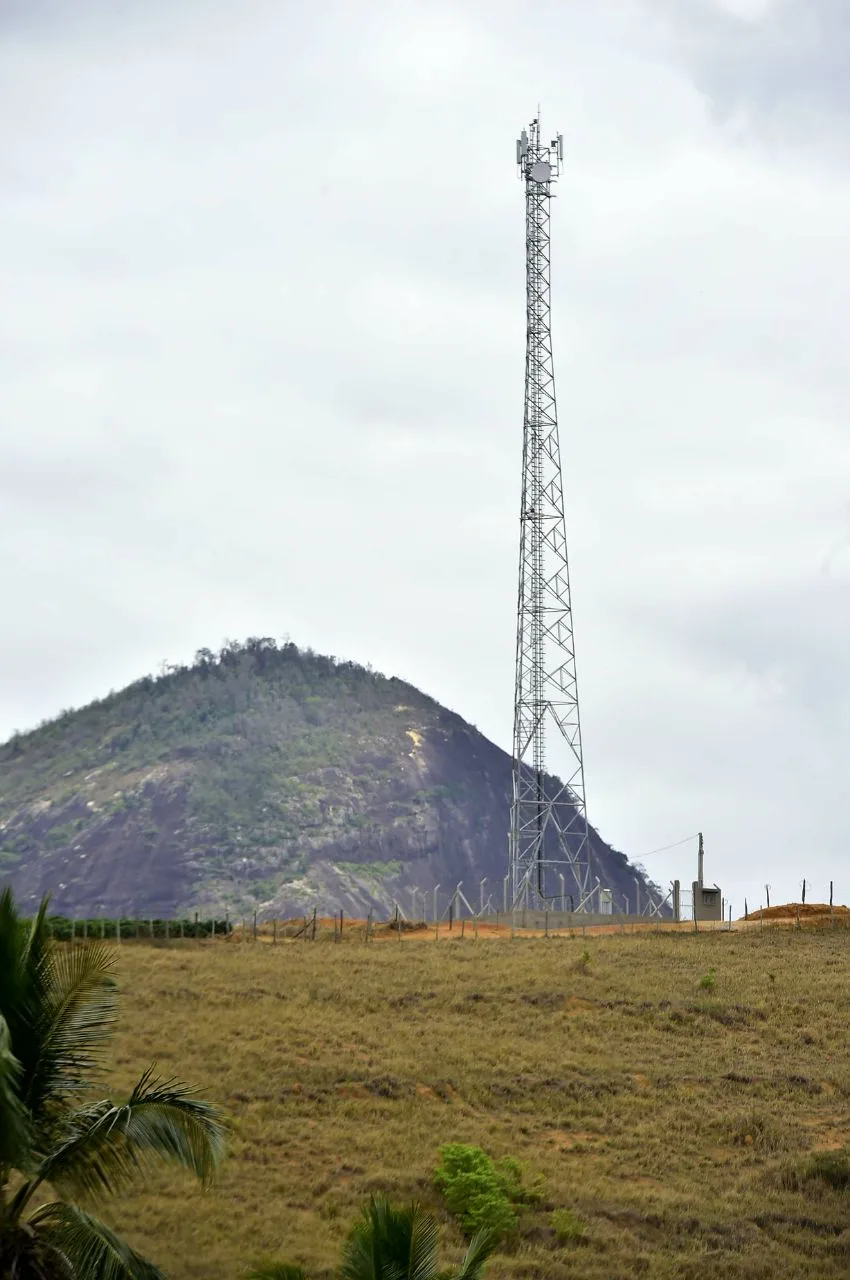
[259, 776]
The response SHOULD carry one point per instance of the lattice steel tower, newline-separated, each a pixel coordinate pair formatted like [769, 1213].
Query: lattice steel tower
[549, 845]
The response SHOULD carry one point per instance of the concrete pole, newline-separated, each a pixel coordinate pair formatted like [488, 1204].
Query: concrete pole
[436, 917]
[481, 886]
[563, 894]
[637, 896]
[700, 860]
[505, 893]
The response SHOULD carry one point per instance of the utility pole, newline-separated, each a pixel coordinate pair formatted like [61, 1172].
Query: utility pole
[549, 827]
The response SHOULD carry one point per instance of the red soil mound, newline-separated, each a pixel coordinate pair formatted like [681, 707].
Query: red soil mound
[791, 911]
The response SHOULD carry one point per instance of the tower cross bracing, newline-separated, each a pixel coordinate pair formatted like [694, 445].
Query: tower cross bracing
[549, 838]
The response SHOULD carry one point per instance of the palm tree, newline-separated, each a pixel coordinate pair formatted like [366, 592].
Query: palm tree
[57, 1010]
[388, 1243]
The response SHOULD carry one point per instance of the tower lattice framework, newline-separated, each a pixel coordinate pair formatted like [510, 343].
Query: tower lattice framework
[549, 839]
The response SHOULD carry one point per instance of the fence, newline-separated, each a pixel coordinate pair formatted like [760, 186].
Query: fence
[314, 927]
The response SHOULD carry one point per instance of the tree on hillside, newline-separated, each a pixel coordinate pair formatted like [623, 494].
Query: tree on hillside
[57, 1010]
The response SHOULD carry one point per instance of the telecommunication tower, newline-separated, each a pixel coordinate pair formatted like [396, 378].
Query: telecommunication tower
[549, 844]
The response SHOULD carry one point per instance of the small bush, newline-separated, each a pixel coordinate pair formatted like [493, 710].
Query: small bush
[568, 1227]
[708, 981]
[831, 1167]
[479, 1191]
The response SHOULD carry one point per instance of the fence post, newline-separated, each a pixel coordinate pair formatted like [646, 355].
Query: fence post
[274, 930]
[314, 924]
[340, 924]
[804, 893]
[255, 926]
[546, 923]
[197, 935]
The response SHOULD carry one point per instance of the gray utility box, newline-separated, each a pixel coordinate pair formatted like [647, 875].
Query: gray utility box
[708, 903]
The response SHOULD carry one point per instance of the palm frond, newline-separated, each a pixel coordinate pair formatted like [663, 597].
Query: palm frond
[391, 1243]
[109, 1146]
[481, 1246]
[424, 1241]
[14, 1120]
[78, 1003]
[59, 1004]
[87, 1247]
[271, 1270]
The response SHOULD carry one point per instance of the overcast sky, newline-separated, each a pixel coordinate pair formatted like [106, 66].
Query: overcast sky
[262, 350]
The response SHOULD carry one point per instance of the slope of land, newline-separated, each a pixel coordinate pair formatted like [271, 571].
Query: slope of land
[691, 1124]
[259, 777]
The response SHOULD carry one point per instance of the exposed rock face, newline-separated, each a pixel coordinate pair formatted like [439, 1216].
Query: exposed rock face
[259, 778]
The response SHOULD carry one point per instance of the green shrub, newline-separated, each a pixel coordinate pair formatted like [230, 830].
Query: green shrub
[708, 981]
[831, 1167]
[568, 1227]
[479, 1191]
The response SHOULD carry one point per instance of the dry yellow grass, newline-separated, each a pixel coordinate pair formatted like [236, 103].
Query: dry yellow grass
[665, 1115]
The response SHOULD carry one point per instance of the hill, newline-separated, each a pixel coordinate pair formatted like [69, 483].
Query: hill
[261, 777]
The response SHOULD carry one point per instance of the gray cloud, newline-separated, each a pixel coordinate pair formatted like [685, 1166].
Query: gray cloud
[261, 338]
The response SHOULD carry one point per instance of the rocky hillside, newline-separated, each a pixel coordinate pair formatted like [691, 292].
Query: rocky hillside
[261, 777]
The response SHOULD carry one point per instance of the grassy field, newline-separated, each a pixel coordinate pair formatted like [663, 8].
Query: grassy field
[677, 1117]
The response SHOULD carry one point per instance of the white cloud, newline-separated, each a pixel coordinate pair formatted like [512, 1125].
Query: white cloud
[262, 346]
